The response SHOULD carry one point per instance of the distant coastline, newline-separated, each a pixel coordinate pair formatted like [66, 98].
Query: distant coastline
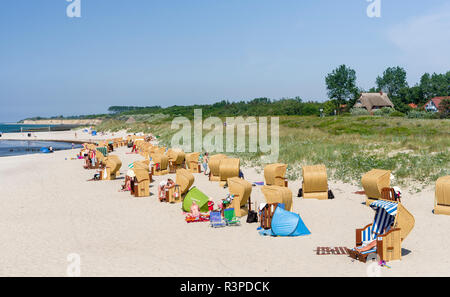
[27, 127]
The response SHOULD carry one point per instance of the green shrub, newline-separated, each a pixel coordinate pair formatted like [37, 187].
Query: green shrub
[385, 111]
[359, 112]
[397, 114]
[420, 114]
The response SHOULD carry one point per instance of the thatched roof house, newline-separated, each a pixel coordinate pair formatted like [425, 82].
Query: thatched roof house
[372, 101]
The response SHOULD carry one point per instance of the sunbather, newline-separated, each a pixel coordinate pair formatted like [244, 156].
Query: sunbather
[164, 186]
[367, 246]
[127, 185]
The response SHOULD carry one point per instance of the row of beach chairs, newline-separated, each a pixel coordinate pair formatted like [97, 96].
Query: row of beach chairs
[225, 171]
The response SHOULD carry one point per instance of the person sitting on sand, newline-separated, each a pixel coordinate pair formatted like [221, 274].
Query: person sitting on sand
[127, 185]
[164, 186]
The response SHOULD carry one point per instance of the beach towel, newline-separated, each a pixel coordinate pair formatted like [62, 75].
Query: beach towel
[258, 184]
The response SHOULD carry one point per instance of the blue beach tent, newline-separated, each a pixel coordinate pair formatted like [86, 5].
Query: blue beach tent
[286, 223]
[44, 150]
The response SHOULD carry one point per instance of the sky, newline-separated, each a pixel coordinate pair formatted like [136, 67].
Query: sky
[180, 52]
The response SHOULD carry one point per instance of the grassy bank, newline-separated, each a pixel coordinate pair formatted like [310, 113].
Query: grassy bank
[416, 150]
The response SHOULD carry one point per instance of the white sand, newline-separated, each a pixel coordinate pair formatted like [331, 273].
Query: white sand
[49, 210]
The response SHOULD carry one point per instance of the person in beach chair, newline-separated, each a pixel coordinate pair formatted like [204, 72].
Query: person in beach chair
[230, 217]
[164, 186]
[215, 219]
[383, 238]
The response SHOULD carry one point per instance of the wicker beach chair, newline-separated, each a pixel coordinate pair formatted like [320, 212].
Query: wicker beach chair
[228, 168]
[277, 194]
[442, 196]
[160, 164]
[176, 159]
[391, 225]
[112, 167]
[241, 190]
[184, 181]
[192, 162]
[315, 182]
[142, 180]
[214, 163]
[274, 175]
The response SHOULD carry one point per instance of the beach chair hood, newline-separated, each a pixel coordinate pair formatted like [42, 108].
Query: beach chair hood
[214, 163]
[388, 212]
[274, 174]
[228, 168]
[184, 179]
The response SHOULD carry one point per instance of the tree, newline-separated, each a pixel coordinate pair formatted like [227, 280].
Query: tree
[328, 107]
[341, 85]
[392, 81]
[444, 108]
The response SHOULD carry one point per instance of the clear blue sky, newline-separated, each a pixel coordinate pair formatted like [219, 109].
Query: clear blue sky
[166, 52]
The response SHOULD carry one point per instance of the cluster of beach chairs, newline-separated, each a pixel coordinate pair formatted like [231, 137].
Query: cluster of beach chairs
[391, 225]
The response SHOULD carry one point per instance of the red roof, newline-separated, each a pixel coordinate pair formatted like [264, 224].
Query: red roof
[437, 101]
[412, 105]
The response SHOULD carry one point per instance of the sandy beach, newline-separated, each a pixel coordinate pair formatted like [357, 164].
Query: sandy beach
[50, 210]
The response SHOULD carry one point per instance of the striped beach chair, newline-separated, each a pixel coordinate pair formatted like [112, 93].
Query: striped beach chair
[391, 225]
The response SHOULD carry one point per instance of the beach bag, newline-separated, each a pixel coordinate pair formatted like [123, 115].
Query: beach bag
[252, 216]
[330, 194]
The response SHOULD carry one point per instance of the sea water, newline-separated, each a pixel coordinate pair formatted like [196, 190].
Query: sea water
[24, 147]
